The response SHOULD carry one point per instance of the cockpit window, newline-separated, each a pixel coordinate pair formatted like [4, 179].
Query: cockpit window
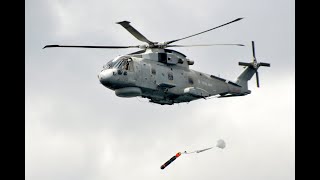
[122, 62]
[118, 64]
[108, 65]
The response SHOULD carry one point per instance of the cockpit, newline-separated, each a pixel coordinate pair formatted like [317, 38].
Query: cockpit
[121, 62]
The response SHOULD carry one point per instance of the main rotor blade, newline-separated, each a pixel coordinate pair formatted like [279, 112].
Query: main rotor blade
[204, 45]
[253, 51]
[107, 47]
[169, 42]
[134, 32]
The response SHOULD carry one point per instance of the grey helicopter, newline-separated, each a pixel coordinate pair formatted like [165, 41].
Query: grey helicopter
[163, 75]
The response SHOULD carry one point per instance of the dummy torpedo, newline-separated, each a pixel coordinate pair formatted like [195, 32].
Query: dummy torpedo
[220, 144]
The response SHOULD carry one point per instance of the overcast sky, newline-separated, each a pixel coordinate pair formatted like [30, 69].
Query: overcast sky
[76, 129]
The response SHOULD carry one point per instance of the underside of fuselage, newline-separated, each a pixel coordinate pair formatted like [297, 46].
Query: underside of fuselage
[164, 97]
[160, 96]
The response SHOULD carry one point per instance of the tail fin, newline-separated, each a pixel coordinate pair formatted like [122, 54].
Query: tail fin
[251, 69]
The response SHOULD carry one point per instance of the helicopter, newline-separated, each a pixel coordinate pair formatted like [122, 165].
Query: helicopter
[163, 75]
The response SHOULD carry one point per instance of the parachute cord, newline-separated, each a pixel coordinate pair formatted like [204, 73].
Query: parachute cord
[197, 151]
[185, 152]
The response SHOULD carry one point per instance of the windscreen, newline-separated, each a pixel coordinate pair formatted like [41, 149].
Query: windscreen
[117, 63]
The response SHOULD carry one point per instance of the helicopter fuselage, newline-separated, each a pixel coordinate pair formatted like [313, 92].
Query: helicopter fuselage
[151, 76]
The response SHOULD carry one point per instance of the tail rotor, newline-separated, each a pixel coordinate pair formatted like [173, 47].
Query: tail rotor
[254, 64]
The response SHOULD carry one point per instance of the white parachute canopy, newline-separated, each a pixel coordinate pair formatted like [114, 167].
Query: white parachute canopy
[221, 144]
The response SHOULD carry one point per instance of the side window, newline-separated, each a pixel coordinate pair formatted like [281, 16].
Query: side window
[170, 76]
[125, 65]
[190, 80]
[162, 57]
[128, 65]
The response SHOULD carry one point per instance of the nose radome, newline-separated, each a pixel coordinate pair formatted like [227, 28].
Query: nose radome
[105, 76]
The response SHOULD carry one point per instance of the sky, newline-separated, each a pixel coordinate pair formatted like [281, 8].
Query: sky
[76, 129]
